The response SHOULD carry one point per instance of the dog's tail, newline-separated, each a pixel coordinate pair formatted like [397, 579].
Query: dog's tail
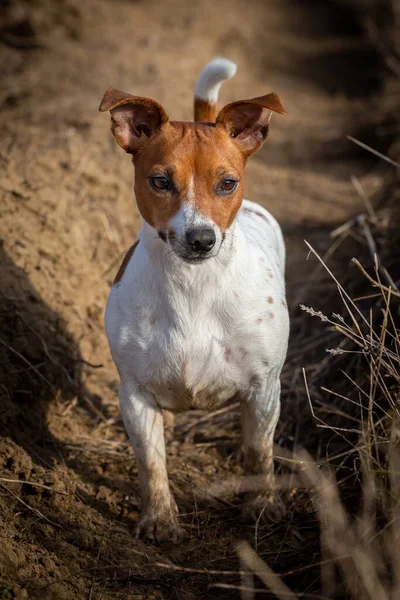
[207, 88]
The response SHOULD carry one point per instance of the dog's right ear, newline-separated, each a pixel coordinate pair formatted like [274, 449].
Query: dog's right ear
[133, 119]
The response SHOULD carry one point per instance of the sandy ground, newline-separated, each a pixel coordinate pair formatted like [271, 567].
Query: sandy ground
[67, 218]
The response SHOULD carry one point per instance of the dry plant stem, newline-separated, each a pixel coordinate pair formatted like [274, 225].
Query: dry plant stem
[362, 221]
[343, 228]
[340, 287]
[172, 567]
[247, 587]
[339, 536]
[208, 417]
[367, 203]
[37, 512]
[323, 424]
[366, 147]
[393, 539]
[341, 237]
[383, 48]
[26, 361]
[273, 582]
[40, 485]
[373, 282]
[243, 589]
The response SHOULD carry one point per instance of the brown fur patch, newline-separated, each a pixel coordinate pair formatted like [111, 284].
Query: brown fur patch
[204, 111]
[196, 158]
[259, 214]
[124, 263]
[250, 211]
[270, 300]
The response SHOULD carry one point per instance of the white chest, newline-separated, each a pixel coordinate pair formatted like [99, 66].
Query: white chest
[198, 348]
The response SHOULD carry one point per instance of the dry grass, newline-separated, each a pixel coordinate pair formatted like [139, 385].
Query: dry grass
[355, 488]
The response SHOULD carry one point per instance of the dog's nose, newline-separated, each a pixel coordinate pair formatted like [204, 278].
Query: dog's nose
[201, 240]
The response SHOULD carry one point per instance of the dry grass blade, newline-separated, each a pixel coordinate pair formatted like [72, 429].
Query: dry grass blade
[39, 485]
[27, 362]
[373, 282]
[366, 147]
[247, 592]
[367, 203]
[35, 510]
[172, 567]
[247, 587]
[254, 563]
[345, 296]
[339, 536]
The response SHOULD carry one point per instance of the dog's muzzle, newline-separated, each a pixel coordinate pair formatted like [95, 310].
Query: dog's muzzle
[196, 245]
[201, 240]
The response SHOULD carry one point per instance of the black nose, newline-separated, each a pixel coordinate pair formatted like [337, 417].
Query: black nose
[201, 240]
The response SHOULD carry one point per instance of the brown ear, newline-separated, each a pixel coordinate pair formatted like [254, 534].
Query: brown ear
[247, 121]
[133, 119]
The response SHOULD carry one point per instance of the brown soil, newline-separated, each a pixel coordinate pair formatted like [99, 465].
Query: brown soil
[68, 216]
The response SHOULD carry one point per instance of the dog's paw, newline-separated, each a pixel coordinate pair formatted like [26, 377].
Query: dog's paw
[266, 506]
[159, 526]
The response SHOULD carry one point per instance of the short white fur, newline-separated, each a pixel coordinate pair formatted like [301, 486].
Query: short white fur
[211, 78]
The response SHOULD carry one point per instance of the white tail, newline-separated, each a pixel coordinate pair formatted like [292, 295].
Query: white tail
[207, 88]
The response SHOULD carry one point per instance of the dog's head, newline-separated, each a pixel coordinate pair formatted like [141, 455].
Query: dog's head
[189, 177]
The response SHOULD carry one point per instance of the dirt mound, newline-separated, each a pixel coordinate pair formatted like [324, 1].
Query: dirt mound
[69, 493]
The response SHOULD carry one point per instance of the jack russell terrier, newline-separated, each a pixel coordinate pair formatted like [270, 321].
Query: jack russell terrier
[197, 316]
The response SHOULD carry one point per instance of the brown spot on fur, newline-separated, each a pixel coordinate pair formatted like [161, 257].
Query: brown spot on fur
[227, 353]
[259, 321]
[259, 214]
[270, 300]
[284, 304]
[250, 211]
[271, 315]
[124, 263]
[270, 275]
[204, 111]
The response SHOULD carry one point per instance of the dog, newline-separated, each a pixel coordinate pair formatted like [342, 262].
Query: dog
[197, 315]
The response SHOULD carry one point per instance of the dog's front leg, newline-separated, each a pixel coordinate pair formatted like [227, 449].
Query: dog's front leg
[260, 414]
[143, 420]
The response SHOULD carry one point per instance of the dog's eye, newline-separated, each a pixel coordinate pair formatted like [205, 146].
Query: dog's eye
[227, 186]
[160, 183]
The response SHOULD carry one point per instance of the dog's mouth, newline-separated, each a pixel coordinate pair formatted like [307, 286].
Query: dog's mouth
[194, 260]
[163, 235]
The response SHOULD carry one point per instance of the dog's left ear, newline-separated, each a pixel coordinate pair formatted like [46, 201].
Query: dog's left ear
[247, 121]
[133, 119]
